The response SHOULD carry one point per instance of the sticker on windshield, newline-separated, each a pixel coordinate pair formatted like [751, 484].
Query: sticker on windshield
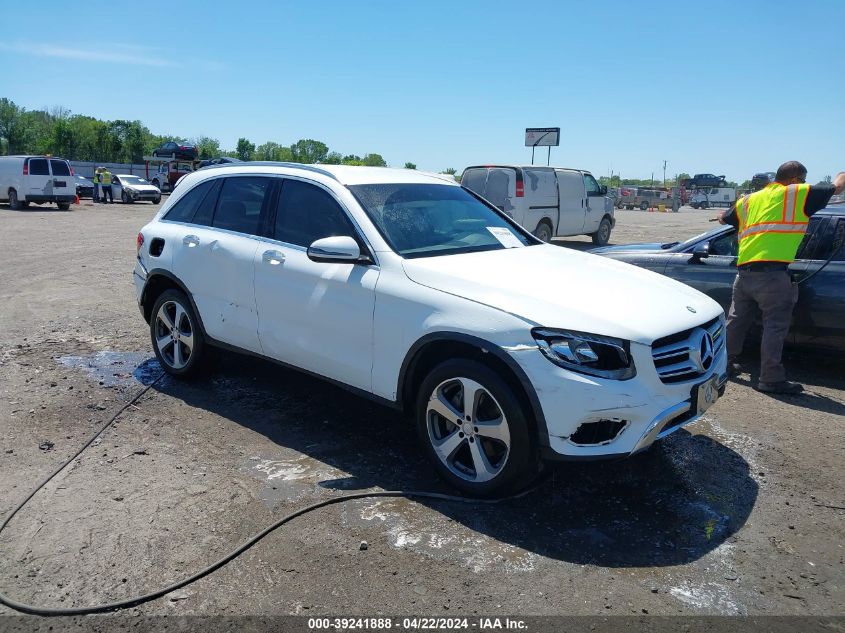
[505, 236]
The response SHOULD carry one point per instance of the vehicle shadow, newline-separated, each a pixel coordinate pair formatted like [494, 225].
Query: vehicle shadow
[583, 244]
[813, 371]
[668, 506]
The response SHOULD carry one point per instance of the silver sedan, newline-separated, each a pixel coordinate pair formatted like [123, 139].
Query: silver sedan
[131, 188]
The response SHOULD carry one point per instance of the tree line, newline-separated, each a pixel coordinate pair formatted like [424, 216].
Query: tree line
[85, 138]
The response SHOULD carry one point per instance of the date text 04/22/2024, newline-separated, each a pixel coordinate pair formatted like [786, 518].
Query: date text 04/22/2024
[415, 623]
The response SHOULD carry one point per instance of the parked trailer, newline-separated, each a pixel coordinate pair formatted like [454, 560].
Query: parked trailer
[706, 197]
[168, 170]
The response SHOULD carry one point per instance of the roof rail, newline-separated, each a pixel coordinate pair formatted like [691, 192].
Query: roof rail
[272, 163]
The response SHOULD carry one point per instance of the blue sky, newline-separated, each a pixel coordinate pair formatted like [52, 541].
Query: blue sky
[723, 87]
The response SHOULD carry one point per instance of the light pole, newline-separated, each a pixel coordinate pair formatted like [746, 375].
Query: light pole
[664, 174]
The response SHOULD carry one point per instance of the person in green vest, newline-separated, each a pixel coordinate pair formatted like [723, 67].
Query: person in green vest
[106, 180]
[770, 225]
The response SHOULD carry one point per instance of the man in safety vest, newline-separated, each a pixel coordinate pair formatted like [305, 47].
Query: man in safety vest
[106, 180]
[770, 225]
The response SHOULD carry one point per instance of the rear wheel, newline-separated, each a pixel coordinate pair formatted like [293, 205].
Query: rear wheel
[174, 330]
[63, 206]
[644, 206]
[157, 200]
[602, 236]
[474, 429]
[14, 203]
[544, 231]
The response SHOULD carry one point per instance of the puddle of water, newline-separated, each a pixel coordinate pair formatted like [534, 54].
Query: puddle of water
[709, 597]
[116, 369]
[291, 479]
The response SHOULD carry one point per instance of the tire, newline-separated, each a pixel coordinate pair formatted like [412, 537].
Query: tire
[123, 197]
[175, 330]
[602, 236]
[504, 459]
[157, 200]
[63, 206]
[629, 207]
[14, 203]
[705, 205]
[643, 206]
[543, 231]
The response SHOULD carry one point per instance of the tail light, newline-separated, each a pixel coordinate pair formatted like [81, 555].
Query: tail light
[520, 189]
[26, 168]
[71, 168]
[139, 242]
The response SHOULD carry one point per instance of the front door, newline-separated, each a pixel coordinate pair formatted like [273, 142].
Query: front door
[572, 202]
[595, 204]
[713, 275]
[317, 316]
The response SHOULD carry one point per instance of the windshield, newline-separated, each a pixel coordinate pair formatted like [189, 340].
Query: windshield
[423, 220]
[134, 180]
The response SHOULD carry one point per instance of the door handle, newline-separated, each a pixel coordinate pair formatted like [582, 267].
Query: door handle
[274, 258]
[190, 241]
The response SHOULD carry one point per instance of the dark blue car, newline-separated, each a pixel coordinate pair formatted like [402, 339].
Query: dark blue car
[707, 262]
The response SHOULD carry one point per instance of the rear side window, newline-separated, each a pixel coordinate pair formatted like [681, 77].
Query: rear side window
[38, 167]
[543, 183]
[60, 167]
[823, 240]
[239, 207]
[186, 207]
[307, 213]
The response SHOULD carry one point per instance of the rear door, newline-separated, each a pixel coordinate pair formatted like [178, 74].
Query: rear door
[819, 317]
[214, 255]
[572, 202]
[61, 182]
[38, 183]
[314, 315]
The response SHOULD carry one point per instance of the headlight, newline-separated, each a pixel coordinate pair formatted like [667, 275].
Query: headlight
[591, 354]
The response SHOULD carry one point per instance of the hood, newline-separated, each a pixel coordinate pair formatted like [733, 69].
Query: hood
[555, 287]
[651, 247]
[142, 187]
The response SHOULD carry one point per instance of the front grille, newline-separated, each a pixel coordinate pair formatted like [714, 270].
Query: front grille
[598, 432]
[688, 354]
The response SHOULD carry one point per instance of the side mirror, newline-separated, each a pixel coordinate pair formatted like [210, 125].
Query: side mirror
[603, 189]
[341, 248]
[701, 251]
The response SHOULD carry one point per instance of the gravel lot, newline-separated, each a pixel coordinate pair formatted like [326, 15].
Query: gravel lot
[742, 513]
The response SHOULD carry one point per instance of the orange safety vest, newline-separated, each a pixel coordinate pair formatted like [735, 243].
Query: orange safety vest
[772, 223]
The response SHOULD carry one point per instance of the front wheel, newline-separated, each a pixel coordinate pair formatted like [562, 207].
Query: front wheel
[474, 430]
[14, 203]
[176, 336]
[643, 206]
[124, 198]
[156, 201]
[602, 236]
[63, 206]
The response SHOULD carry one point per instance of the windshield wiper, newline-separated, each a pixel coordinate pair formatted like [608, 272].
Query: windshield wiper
[669, 245]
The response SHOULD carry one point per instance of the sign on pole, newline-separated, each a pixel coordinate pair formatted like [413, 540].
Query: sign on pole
[542, 136]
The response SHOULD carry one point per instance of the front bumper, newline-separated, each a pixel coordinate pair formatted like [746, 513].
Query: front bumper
[644, 408]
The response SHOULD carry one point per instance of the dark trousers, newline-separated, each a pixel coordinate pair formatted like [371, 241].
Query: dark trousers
[774, 293]
[95, 197]
[107, 193]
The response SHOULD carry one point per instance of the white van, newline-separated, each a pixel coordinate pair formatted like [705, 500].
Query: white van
[38, 179]
[548, 201]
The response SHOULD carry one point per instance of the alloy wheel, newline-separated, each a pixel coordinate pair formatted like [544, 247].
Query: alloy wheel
[468, 430]
[174, 334]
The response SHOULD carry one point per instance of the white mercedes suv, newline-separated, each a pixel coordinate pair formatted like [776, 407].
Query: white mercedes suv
[411, 290]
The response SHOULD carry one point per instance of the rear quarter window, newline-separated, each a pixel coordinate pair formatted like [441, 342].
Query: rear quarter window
[187, 205]
[38, 167]
[60, 167]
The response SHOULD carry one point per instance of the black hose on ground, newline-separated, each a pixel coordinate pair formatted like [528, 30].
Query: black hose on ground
[135, 601]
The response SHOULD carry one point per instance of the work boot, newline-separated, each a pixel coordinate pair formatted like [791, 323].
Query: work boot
[734, 368]
[784, 387]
